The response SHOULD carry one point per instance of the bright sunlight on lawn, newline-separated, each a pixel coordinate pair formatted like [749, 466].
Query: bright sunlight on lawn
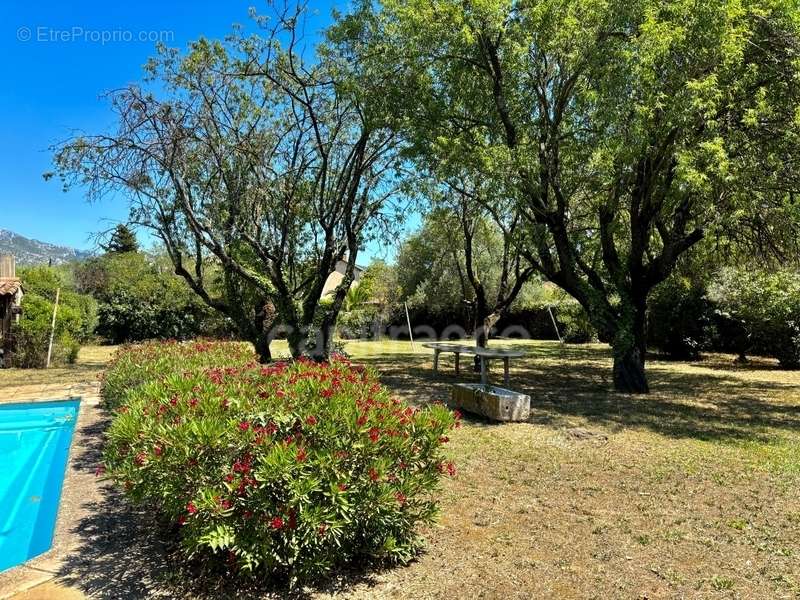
[688, 491]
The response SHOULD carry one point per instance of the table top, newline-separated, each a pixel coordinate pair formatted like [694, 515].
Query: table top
[467, 349]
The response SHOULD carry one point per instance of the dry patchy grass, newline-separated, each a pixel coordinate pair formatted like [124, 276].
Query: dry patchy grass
[690, 491]
[91, 362]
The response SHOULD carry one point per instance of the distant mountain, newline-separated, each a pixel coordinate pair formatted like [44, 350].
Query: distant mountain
[34, 252]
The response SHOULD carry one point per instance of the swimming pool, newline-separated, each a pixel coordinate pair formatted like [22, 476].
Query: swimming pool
[34, 445]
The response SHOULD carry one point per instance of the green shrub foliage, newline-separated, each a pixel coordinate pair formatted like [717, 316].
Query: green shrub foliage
[680, 318]
[285, 469]
[140, 298]
[766, 306]
[75, 322]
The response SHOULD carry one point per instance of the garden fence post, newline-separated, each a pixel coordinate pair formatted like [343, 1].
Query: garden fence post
[52, 328]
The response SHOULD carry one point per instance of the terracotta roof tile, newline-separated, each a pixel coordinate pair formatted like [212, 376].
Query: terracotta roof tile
[9, 286]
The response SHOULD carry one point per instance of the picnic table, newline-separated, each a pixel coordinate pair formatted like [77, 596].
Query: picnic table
[485, 355]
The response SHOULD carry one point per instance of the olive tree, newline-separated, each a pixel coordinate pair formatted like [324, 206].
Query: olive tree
[255, 159]
[629, 129]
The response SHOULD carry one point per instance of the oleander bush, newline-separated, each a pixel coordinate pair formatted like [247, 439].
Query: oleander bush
[135, 364]
[283, 470]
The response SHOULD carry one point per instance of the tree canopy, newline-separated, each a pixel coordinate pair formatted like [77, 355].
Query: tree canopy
[258, 157]
[627, 131]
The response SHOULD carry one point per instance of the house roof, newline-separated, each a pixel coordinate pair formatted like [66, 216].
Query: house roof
[9, 286]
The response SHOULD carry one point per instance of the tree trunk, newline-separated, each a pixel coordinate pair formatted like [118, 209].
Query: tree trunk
[485, 328]
[629, 375]
[261, 344]
[630, 344]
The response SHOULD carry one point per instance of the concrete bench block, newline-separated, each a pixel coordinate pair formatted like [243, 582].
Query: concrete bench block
[491, 401]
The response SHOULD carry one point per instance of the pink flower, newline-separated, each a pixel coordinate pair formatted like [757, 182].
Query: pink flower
[244, 426]
[158, 450]
[276, 523]
[191, 508]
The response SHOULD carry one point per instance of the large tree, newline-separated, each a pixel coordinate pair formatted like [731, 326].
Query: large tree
[629, 129]
[257, 158]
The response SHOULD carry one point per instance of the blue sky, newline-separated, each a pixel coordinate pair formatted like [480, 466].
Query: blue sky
[55, 66]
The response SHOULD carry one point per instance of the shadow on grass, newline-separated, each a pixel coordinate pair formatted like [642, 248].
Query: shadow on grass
[571, 384]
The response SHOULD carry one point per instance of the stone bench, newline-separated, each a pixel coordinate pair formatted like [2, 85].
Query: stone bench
[491, 401]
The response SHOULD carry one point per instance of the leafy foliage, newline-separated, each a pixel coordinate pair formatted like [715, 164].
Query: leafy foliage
[680, 319]
[75, 322]
[140, 298]
[287, 469]
[766, 305]
[122, 240]
[626, 131]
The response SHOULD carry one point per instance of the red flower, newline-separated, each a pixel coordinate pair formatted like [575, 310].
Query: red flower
[342, 487]
[248, 514]
[401, 498]
[225, 504]
[301, 455]
[361, 420]
[292, 519]
[374, 434]
[193, 402]
[244, 426]
[311, 420]
[158, 450]
[276, 523]
[326, 393]
[182, 520]
[444, 439]
[191, 508]
[373, 475]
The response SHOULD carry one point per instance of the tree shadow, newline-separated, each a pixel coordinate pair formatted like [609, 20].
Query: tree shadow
[713, 400]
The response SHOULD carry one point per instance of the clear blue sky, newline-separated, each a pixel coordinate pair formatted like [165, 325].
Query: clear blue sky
[55, 65]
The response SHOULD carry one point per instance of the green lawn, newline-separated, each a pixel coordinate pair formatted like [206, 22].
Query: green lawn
[690, 491]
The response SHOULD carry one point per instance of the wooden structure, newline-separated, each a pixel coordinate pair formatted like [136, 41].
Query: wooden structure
[484, 354]
[10, 309]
